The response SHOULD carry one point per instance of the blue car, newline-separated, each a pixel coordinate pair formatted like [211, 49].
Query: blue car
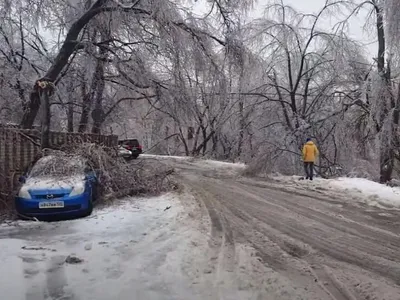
[57, 187]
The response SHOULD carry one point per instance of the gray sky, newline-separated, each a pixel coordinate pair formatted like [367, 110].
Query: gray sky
[356, 23]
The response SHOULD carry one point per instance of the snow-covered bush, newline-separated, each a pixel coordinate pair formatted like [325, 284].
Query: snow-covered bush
[118, 178]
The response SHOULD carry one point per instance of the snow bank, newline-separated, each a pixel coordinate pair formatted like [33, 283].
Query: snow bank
[346, 188]
[220, 164]
[373, 190]
[205, 163]
[166, 156]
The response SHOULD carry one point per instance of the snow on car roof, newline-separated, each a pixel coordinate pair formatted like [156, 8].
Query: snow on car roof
[58, 165]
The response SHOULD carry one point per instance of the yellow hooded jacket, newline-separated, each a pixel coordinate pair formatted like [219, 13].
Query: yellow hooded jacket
[310, 152]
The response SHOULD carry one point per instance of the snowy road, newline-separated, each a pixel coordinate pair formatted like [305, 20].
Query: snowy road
[311, 248]
[312, 244]
[223, 237]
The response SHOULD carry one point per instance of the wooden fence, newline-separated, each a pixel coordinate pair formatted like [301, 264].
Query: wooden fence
[19, 148]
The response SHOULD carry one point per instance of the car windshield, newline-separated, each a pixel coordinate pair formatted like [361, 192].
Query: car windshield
[60, 166]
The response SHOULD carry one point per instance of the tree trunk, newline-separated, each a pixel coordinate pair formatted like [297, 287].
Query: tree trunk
[99, 119]
[386, 151]
[387, 164]
[185, 145]
[31, 110]
[46, 119]
[241, 129]
[205, 141]
[86, 108]
[70, 107]
[196, 140]
[215, 141]
[167, 139]
[87, 100]
[388, 156]
[70, 116]
[204, 132]
[21, 93]
[69, 46]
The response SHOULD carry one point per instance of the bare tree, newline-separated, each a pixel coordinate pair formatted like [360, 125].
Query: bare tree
[306, 84]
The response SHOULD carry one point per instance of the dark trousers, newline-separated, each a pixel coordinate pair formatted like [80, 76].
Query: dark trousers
[309, 169]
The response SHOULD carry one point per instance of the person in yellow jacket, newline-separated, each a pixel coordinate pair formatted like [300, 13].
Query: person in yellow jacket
[310, 153]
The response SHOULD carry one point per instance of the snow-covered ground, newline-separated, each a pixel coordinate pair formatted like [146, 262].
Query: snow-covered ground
[165, 156]
[135, 250]
[219, 164]
[198, 161]
[372, 190]
[204, 166]
[175, 246]
[151, 248]
[361, 189]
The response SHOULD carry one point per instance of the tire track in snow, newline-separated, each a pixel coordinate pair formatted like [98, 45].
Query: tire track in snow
[274, 221]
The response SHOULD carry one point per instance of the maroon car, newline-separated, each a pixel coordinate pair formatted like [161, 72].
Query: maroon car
[132, 145]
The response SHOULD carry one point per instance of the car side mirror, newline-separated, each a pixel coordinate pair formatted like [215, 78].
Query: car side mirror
[22, 179]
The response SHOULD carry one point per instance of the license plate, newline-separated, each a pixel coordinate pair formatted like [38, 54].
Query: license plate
[53, 204]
